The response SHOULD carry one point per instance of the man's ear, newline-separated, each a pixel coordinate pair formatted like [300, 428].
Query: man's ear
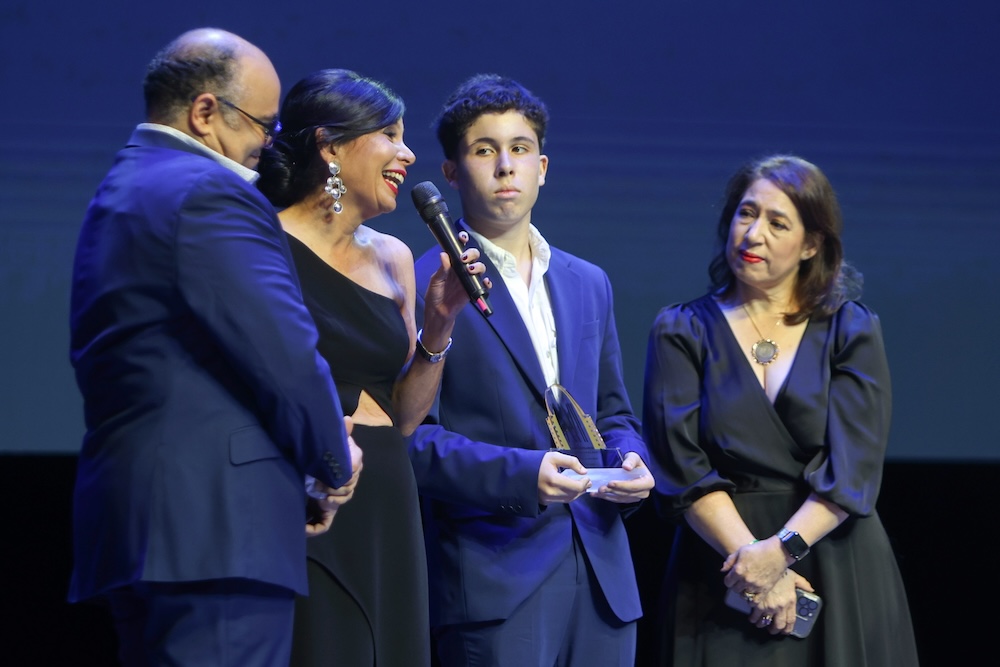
[200, 114]
[543, 168]
[450, 171]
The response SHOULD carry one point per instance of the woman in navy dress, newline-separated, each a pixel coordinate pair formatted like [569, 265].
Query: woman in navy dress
[766, 410]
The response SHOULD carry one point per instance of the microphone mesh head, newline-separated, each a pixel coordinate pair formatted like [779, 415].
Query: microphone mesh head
[428, 200]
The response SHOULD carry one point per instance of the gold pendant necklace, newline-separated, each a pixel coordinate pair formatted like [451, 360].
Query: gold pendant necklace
[765, 350]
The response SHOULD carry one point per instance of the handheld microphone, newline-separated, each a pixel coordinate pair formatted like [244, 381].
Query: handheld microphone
[434, 211]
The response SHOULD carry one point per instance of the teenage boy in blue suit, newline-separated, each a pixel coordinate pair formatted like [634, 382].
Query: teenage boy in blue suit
[526, 566]
[207, 406]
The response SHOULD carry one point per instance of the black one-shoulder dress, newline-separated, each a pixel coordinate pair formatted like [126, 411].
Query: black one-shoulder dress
[367, 601]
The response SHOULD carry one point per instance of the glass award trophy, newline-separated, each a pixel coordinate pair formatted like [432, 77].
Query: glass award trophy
[573, 432]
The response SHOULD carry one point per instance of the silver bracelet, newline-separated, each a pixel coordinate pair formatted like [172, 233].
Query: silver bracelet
[431, 357]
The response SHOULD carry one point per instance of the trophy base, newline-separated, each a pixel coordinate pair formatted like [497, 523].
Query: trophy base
[601, 476]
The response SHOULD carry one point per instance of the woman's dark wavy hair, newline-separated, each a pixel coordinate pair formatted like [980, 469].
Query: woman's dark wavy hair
[342, 104]
[487, 93]
[825, 281]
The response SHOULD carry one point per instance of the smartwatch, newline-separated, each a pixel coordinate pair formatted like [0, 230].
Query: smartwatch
[793, 543]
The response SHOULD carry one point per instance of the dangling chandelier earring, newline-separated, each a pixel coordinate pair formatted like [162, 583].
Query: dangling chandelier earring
[335, 187]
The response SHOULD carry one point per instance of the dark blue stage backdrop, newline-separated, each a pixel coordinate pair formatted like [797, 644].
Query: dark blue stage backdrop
[653, 105]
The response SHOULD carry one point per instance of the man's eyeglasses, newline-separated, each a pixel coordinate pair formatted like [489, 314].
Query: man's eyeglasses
[270, 129]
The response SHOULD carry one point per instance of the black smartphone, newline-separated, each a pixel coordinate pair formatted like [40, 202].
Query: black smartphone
[807, 609]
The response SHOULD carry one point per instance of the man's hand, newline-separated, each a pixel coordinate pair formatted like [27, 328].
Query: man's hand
[322, 510]
[631, 490]
[556, 488]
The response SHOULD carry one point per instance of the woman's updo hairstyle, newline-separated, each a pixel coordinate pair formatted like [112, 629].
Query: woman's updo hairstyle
[343, 106]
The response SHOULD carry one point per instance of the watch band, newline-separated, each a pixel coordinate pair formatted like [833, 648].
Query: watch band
[431, 357]
[793, 543]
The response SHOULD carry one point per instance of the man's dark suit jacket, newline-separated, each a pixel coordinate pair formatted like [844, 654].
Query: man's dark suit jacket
[490, 545]
[204, 397]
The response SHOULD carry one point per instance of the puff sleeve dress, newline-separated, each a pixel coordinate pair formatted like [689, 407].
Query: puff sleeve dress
[711, 427]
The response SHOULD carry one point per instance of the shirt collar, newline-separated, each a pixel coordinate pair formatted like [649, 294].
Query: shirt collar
[247, 174]
[505, 261]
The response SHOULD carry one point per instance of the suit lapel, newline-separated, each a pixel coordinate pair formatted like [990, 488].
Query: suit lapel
[507, 323]
[565, 293]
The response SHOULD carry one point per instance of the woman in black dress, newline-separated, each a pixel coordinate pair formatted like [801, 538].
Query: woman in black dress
[338, 161]
[766, 410]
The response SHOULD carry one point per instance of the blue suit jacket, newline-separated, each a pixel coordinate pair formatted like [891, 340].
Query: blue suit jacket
[490, 544]
[204, 397]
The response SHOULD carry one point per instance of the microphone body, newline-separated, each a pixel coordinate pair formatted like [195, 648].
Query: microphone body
[434, 211]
